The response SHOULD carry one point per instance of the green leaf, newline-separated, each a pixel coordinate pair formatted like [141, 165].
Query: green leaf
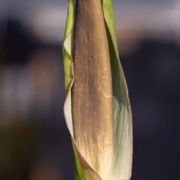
[121, 163]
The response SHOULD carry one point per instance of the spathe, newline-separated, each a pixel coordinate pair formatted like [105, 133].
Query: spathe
[121, 161]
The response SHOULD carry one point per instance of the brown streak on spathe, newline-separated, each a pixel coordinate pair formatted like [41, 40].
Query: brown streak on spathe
[92, 89]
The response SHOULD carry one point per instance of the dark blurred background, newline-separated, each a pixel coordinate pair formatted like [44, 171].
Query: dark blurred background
[34, 141]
